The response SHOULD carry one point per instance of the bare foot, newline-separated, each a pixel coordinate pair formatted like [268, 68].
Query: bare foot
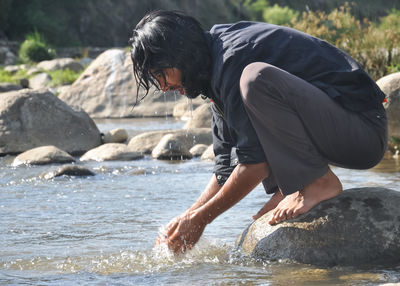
[270, 205]
[293, 205]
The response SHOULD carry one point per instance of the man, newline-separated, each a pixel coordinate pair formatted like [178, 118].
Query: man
[285, 105]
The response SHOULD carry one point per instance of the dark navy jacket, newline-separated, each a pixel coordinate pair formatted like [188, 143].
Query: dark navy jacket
[234, 46]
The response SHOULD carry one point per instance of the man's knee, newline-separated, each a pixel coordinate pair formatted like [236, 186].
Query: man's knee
[254, 79]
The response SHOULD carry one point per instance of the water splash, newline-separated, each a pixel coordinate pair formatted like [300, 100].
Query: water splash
[158, 259]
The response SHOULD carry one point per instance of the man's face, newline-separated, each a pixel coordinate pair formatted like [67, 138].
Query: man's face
[172, 81]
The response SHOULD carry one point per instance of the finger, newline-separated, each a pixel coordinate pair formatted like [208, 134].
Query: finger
[177, 247]
[280, 215]
[296, 213]
[272, 221]
[162, 238]
[171, 229]
[289, 214]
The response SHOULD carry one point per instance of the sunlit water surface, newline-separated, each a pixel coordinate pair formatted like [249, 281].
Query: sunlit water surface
[100, 230]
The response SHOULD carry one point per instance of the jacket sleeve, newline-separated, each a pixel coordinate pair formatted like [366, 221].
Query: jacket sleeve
[222, 143]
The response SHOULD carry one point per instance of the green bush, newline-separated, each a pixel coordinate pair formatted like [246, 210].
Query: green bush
[62, 77]
[6, 76]
[368, 43]
[279, 15]
[255, 8]
[35, 49]
[390, 28]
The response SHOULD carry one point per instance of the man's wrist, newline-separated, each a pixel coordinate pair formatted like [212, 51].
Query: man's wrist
[201, 216]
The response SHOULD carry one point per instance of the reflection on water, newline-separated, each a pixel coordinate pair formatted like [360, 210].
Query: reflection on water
[100, 230]
[140, 124]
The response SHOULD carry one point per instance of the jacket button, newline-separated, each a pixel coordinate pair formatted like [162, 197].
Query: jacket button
[219, 177]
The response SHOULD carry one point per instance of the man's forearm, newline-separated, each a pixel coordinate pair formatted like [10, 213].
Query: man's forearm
[243, 179]
[209, 192]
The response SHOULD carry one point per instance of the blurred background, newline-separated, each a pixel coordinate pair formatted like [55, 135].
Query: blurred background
[367, 29]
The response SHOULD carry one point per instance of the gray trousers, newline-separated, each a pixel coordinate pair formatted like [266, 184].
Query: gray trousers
[302, 130]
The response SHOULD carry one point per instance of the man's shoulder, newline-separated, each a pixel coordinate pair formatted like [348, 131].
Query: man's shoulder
[242, 25]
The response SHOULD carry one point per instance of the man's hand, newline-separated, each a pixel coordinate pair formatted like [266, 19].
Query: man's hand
[185, 230]
[163, 235]
[182, 232]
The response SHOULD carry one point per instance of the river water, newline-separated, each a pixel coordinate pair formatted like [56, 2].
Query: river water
[100, 230]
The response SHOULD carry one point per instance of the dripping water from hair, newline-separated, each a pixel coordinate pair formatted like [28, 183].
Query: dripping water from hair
[165, 103]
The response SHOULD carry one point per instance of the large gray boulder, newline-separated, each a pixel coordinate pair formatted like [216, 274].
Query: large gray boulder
[60, 64]
[29, 119]
[146, 142]
[360, 226]
[107, 89]
[390, 85]
[43, 155]
[156, 104]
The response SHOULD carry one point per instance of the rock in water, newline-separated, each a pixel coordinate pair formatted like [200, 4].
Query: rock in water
[69, 170]
[171, 148]
[359, 227]
[43, 155]
[117, 135]
[30, 119]
[390, 85]
[111, 152]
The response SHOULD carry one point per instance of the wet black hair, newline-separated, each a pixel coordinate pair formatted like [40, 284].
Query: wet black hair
[170, 39]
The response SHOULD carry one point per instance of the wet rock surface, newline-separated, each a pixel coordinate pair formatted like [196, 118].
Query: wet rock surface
[69, 170]
[171, 147]
[359, 227]
[146, 142]
[43, 155]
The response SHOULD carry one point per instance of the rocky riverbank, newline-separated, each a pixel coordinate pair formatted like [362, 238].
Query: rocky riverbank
[54, 125]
